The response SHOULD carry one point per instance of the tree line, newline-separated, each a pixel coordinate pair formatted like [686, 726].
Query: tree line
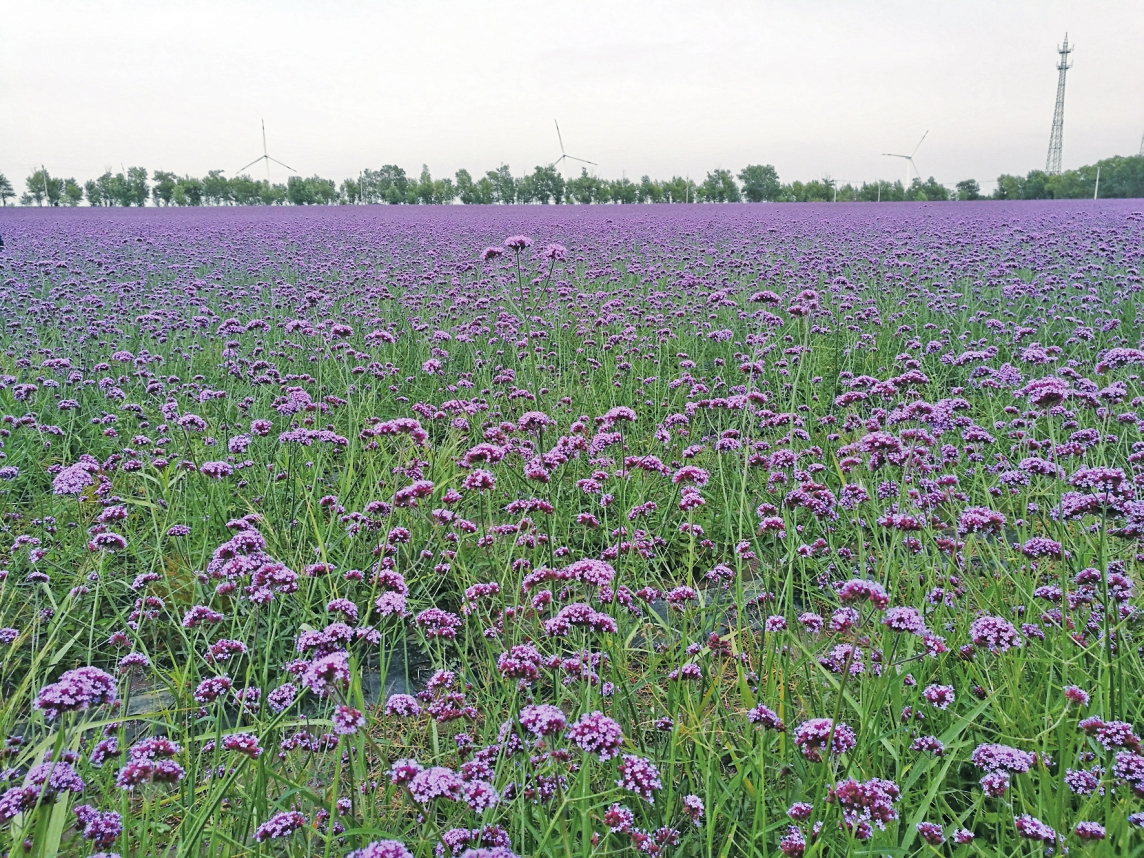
[1120, 176]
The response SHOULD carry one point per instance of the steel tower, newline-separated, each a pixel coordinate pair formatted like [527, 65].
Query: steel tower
[1057, 139]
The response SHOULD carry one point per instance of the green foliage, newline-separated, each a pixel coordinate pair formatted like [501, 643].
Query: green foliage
[73, 193]
[968, 189]
[118, 189]
[760, 183]
[188, 192]
[427, 191]
[469, 192]
[312, 191]
[163, 190]
[585, 189]
[680, 190]
[816, 191]
[624, 191]
[649, 191]
[6, 190]
[545, 185]
[720, 187]
[387, 185]
[216, 188]
[881, 191]
[928, 190]
[43, 188]
[1120, 177]
[503, 184]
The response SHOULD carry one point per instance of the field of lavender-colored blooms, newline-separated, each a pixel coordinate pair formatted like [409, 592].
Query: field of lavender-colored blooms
[710, 530]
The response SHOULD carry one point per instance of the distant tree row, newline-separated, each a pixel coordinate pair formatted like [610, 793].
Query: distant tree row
[1119, 177]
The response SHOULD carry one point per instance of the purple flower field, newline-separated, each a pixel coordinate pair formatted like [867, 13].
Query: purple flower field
[527, 531]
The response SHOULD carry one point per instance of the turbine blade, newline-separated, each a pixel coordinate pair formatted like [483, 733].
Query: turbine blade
[264, 150]
[251, 164]
[279, 163]
[920, 142]
[582, 160]
[558, 137]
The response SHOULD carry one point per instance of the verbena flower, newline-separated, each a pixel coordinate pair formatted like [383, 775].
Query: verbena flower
[598, 734]
[811, 738]
[76, 690]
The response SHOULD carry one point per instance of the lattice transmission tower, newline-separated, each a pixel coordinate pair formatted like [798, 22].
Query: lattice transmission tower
[1057, 139]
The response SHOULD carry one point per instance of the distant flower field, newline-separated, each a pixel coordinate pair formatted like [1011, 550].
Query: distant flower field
[729, 531]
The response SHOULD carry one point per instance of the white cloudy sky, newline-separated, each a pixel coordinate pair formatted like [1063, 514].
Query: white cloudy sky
[668, 87]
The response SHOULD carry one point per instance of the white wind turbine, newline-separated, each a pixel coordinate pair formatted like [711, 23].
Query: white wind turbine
[564, 155]
[265, 157]
[909, 159]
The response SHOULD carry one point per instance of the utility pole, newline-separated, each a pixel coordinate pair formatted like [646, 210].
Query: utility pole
[1057, 138]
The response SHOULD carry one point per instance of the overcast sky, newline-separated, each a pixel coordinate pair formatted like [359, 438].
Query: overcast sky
[667, 87]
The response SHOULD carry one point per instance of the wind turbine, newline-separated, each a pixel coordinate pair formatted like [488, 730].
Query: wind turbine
[564, 155]
[909, 159]
[265, 157]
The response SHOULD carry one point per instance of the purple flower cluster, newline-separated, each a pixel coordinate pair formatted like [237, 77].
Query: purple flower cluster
[597, 734]
[76, 690]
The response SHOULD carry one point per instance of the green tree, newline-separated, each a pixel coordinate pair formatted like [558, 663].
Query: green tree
[216, 188]
[623, 191]
[760, 183]
[1073, 184]
[504, 185]
[6, 190]
[73, 193]
[43, 188]
[466, 189]
[1122, 176]
[547, 185]
[423, 190]
[137, 186]
[720, 187]
[930, 190]
[428, 191]
[881, 191]
[298, 193]
[679, 190]
[1009, 187]
[271, 195]
[968, 189]
[583, 189]
[444, 192]
[188, 192]
[245, 191]
[314, 191]
[485, 191]
[164, 188]
[650, 191]
[114, 189]
[387, 185]
[349, 193]
[92, 191]
[469, 192]
[1036, 186]
[815, 191]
